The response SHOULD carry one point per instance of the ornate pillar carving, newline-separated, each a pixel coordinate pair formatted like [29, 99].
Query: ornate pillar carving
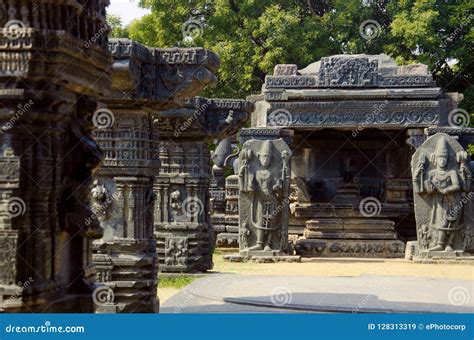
[50, 81]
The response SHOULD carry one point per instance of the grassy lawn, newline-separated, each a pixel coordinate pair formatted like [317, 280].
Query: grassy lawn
[177, 282]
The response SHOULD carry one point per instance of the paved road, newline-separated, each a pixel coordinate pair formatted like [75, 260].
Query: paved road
[233, 293]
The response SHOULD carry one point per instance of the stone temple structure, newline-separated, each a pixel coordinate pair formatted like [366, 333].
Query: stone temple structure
[51, 77]
[354, 122]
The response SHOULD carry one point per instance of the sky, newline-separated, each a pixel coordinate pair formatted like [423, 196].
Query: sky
[127, 10]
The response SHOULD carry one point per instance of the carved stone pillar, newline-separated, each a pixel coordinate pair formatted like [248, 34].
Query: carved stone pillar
[183, 227]
[129, 199]
[50, 80]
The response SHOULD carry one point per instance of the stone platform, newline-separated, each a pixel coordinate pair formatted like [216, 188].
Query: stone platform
[353, 237]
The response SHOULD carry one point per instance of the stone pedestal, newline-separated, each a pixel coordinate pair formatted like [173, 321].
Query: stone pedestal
[50, 81]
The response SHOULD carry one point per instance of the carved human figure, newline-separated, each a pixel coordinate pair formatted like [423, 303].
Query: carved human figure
[176, 204]
[267, 183]
[440, 180]
[244, 236]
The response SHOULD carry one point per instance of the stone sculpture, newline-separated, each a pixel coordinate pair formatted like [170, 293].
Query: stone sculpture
[264, 182]
[442, 188]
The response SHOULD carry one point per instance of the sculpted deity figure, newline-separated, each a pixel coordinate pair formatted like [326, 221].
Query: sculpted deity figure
[440, 182]
[265, 182]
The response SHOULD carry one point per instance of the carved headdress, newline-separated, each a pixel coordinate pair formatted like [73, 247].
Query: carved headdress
[441, 150]
[266, 148]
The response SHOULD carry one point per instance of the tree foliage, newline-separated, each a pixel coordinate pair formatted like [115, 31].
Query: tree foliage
[116, 27]
[252, 36]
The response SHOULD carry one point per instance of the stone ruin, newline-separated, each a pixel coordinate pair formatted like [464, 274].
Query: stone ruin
[303, 173]
[149, 199]
[51, 78]
[124, 188]
[353, 123]
[225, 194]
[152, 189]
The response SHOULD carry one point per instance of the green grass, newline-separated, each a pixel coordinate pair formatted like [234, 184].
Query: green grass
[177, 282]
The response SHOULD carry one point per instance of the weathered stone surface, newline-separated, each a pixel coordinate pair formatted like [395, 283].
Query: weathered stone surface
[183, 181]
[51, 77]
[264, 184]
[354, 122]
[122, 191]
[161, 77]
[359, 70]
[443, 196]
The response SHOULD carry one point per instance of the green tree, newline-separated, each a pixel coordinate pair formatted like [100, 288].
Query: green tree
[117, 29]
[252, 36]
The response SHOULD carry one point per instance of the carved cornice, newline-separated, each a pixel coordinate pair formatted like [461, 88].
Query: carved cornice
[345, 72]
[204, 118]
[165, 77]
[55, 58]
[360, 119]
[267, 133]
[344, 94]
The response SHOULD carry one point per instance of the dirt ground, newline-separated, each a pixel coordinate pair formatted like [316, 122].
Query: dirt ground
[348, 267]
[338, 267]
